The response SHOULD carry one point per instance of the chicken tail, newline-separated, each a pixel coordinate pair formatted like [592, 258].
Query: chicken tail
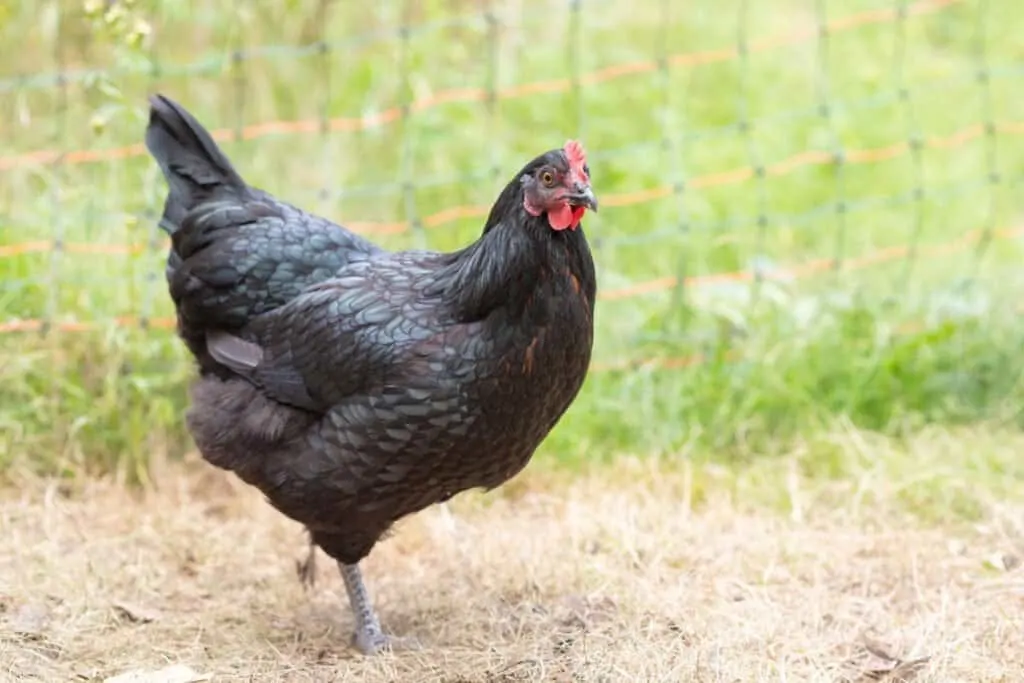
[194, 166]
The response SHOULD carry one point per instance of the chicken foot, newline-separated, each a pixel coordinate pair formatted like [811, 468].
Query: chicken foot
[369, 636]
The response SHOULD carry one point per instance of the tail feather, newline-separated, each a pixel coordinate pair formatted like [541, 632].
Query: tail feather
[194, 166]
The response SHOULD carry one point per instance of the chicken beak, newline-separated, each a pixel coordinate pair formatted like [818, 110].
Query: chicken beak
[583, 196]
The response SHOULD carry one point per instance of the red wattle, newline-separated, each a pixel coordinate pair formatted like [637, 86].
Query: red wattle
[565, 216]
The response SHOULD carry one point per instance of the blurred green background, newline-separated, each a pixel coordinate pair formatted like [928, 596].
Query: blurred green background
[810, 210]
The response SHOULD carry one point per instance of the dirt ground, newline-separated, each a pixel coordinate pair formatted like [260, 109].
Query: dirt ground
[550, 581]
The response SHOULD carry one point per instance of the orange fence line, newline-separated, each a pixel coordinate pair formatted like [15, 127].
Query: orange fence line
[681, 362]
[455, 213]
[798, 271]
[808, 268]
[670, 363]
[603, 75]
[36, 325]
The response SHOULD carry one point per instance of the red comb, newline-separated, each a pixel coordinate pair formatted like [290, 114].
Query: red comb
[577, 158]
[574, 152]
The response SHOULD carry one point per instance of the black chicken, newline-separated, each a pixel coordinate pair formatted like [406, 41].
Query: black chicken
[352, 385]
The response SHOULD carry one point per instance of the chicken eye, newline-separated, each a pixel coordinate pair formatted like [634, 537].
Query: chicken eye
[548, 178]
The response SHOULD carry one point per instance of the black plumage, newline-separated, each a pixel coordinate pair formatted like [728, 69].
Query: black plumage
[352, 385]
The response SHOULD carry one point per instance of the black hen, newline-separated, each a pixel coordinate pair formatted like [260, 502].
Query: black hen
[352, 385]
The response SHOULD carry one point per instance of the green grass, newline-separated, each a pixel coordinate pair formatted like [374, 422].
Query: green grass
[892, 346]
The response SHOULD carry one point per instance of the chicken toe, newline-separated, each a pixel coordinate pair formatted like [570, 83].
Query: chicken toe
[371, 643]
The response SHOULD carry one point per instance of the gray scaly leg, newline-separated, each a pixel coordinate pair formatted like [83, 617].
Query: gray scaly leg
[369, 637]
[307, 568]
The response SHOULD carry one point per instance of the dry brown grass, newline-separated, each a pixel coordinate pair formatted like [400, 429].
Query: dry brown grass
[551, 581]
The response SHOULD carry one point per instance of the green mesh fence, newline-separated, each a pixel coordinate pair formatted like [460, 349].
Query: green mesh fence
[749, 156]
